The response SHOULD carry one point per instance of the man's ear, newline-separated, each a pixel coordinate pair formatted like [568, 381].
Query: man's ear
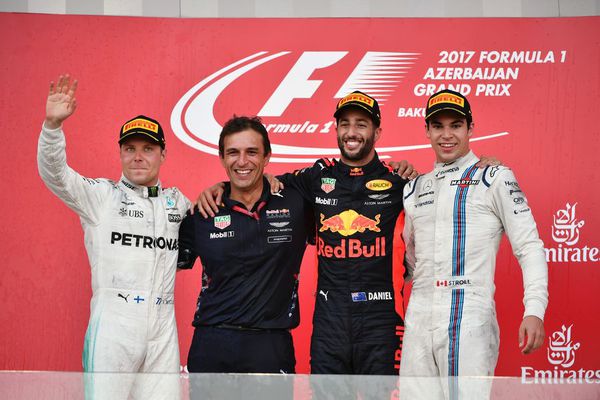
[470, 130]
[378, 133]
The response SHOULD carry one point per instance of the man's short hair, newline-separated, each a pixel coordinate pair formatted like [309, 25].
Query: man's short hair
[242, 123]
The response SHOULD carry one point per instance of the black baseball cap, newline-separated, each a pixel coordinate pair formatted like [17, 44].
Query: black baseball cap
[448, 100]
[360, 100]
[143, 126]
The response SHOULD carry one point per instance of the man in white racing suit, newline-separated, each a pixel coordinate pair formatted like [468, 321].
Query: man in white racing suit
[131, 237]
[455, 218]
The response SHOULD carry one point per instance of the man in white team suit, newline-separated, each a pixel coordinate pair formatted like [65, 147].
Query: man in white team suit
[455, 218]
[131, 229]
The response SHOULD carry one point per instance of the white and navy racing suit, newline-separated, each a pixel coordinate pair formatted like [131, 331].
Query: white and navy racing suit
[131, 238]
[455, 218]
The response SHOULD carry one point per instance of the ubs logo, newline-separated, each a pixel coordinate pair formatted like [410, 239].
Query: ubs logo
[124, 212]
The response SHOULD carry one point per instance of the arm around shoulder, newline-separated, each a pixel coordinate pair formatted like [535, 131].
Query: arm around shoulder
[187, 237]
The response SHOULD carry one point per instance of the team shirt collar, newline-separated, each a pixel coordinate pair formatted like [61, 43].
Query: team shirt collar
[370, 167]
[239, 207]
[467, 159]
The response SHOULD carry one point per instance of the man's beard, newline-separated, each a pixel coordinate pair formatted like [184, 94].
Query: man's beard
[362, 153]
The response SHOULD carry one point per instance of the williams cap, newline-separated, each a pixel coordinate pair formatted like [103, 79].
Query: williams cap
[360, 100]
[145, 127]
[448, 100]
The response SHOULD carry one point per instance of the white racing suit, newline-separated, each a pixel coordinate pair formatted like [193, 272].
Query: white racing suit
[455, 218]
[131, 240]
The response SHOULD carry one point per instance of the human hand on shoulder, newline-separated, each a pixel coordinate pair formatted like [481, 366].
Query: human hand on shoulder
[405, 169]
[485, 161]
[276, 184]
[207, 202]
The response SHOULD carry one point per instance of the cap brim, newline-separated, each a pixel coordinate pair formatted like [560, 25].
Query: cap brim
[444, 109]
[356, 105]
[139, 133]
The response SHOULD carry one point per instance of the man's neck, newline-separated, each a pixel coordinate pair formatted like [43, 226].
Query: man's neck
[358, 163]
[247, 198]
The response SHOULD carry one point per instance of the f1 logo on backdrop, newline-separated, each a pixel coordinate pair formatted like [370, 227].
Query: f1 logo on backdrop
[377, 73]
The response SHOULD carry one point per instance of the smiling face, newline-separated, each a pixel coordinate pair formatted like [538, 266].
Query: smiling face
[356, 136]
[244, 160]
[449, 134]
[141, 161]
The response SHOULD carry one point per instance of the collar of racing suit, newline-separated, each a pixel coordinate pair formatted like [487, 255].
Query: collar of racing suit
[239, 207]
[366, 169]
[441, 169]
[142, 191]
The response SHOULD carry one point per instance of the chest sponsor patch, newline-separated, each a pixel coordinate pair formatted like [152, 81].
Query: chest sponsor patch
[326, 202]
[221, 235]
[464, 182]
[328, 184]
[127, 212]
[379, 196]
[356, 171]
[281, 213]
[279, 224]
[378, 185]
[222, 222]
[174, 218]
[170, 202]
[279, 239]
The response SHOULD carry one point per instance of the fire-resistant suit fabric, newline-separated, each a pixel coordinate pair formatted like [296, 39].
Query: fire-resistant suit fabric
[131, 240]
[455, 218]
[357, 328]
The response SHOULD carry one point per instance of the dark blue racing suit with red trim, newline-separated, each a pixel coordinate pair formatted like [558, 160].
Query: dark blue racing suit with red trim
[357, 328]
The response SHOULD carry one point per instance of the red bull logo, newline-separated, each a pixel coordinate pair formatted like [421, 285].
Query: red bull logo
[357, 171]
[349, 222]
[352, 248]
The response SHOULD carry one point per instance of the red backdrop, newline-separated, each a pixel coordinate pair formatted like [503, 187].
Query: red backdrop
[533, 85]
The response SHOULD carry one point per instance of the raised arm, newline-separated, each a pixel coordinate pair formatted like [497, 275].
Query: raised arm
[82, 195]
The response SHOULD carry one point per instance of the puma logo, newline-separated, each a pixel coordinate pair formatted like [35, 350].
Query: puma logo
[123, 297]
[324, 294]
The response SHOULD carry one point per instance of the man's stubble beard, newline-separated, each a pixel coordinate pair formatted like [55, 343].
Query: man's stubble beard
[368, 145]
